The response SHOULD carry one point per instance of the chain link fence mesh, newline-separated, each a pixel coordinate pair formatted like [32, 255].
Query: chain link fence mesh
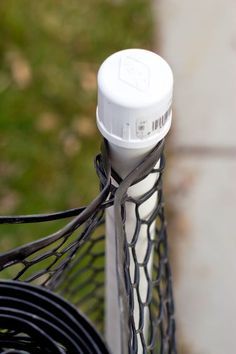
[72, 260]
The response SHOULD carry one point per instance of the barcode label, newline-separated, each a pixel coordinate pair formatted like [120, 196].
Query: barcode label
[161, 121]
[146, 128]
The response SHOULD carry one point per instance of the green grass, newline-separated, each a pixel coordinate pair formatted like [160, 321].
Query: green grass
[50, 52]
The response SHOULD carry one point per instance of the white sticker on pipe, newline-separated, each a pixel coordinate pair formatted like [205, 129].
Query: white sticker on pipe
[144, 128]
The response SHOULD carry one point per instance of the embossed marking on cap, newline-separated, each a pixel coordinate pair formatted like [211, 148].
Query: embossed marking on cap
[134, 73]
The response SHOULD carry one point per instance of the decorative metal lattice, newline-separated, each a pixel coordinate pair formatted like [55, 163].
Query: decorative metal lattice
[71, 261]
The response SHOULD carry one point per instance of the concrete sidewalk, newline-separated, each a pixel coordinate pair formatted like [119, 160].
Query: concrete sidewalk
[198, 39]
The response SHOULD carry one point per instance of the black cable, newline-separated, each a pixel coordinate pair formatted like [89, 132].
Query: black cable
[35, 320]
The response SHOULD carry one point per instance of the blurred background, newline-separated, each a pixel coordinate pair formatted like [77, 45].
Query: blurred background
[198, 39]
[50, 52]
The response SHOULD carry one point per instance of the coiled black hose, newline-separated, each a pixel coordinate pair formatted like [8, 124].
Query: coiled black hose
[36, 321]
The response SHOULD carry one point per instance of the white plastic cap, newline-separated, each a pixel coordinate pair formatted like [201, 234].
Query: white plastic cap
[135, 88]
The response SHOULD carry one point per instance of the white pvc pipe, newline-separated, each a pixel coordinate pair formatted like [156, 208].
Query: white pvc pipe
[134, 98]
